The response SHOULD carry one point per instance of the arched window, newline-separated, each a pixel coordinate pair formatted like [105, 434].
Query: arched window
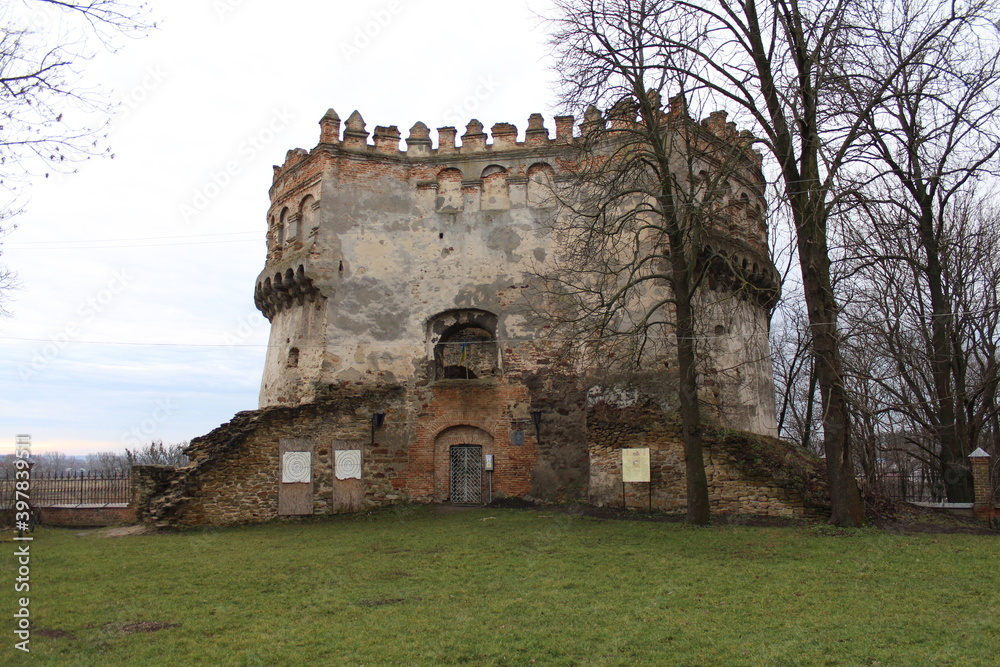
[465, 345]
[293, 358]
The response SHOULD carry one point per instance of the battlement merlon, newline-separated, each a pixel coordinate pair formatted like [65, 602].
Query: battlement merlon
[503, 136]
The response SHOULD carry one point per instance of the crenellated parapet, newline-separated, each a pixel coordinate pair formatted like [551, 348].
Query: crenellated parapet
[386, 141]
[487, 170]
[502, 137]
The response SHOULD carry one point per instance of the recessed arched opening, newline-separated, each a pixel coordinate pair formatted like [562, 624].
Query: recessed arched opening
[293, 358]
[449, 191]
[541, 184]
[307, 215]
[496, 196]
[282, 224]
[458, 457]
[465, 345]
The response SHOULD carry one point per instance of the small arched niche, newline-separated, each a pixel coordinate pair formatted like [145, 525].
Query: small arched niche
[465, 345]
[282, 227]
[449, 191]
[496, 196]
[541, 181]
[307, 215]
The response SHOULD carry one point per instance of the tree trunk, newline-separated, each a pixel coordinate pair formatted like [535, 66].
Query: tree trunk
[810, 402]
[845, 498]
[694, 462]
[953, 449]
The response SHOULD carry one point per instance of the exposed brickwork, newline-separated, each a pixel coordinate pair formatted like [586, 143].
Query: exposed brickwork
[82, 516]
[982, 487]
[234, 475]
[149, 482]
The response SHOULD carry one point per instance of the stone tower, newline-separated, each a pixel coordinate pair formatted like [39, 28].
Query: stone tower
[410, 267]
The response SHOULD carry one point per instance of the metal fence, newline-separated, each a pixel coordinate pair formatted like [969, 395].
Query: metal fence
[916, 486]
[48, 489]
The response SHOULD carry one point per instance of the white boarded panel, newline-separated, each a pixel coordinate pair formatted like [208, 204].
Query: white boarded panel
[347, 463]
[296, 467]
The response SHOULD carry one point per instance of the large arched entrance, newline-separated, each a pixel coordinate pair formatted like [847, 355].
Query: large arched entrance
[458, 464]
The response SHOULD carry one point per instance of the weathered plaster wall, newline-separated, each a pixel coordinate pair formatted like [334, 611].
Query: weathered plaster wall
[368, 243]
[736, 362]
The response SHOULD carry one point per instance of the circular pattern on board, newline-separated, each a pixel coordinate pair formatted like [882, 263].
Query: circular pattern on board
[296, 467]
[348, 462]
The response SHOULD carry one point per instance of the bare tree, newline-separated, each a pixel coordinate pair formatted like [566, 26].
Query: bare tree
[156, 453]
[936, 132]
[52, 462]
[106, 462]
[646, 217]
[794, 377]
[893, 342]
[789, 67]
[777, 62]
[50, 120]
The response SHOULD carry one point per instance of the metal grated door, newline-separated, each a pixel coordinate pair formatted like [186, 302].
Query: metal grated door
[466, 474]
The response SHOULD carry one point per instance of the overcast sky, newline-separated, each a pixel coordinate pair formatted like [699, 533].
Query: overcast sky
[135, 320]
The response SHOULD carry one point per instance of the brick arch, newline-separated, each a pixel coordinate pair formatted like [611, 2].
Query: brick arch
[462, 434]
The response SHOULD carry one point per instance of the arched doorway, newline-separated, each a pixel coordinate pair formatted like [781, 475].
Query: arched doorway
[458, 464]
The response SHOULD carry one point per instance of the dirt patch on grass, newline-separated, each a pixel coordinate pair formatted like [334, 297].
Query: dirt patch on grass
[52, 633]
[380, 602]
[136, 627]
[123, 531]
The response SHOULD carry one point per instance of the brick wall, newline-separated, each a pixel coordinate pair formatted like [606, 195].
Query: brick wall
[84, 516]
[234, 475]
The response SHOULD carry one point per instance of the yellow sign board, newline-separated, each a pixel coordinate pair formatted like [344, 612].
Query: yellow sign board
[635, 465]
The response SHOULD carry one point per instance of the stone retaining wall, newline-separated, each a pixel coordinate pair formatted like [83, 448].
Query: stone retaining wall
[733, 488]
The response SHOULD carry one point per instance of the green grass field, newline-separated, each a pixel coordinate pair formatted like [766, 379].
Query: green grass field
[411, 586]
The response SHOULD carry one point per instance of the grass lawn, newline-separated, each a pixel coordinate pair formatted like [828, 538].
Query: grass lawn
[412, 586]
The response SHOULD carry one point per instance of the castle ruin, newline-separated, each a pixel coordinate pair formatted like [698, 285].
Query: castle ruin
[406, 361]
